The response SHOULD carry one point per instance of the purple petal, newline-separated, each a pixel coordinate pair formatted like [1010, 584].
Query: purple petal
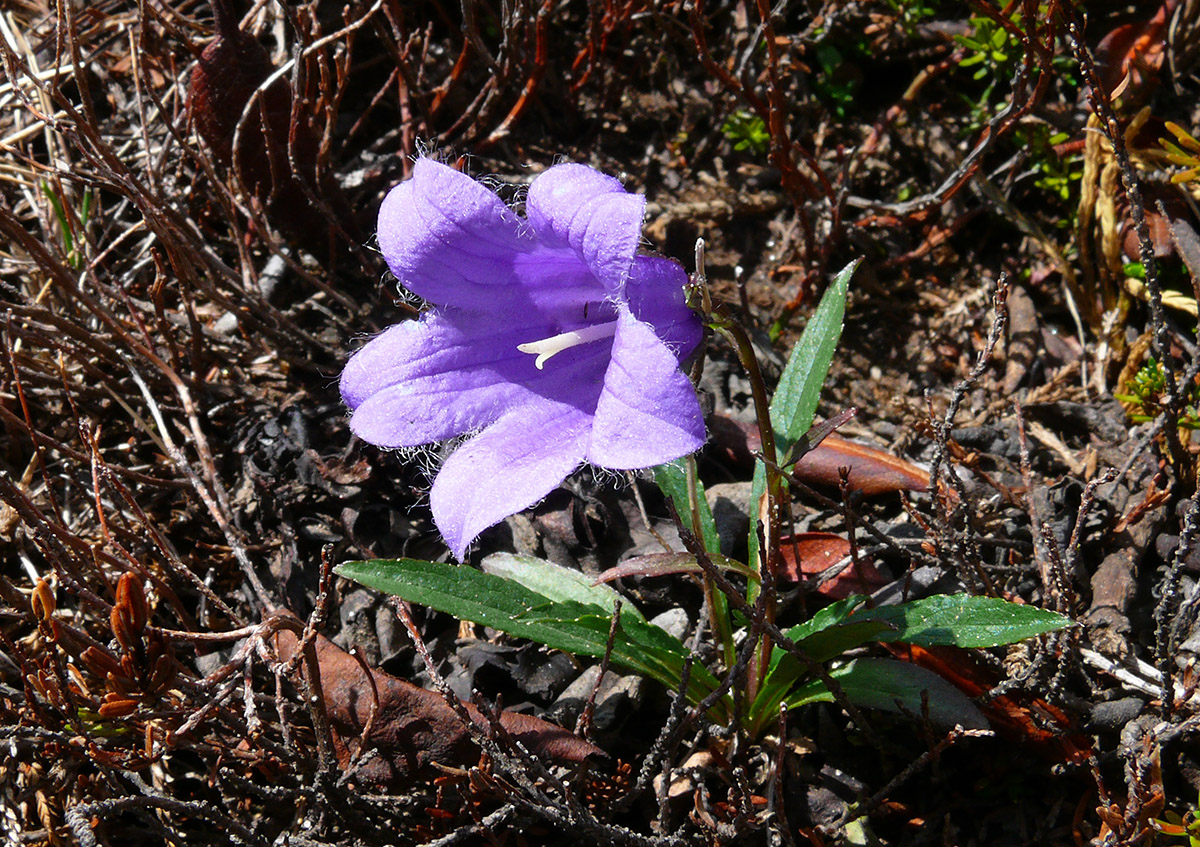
[406, 386]
[648, 412]
[450, 373]
[655, 296]
[448, 238]
[575, 205]
[508, 467]
[555, 283]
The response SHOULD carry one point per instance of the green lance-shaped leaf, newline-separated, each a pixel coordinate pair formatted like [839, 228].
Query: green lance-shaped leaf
[556, 582]
[691, 504]
[961, 620]
[799, 390]
[826, 635]
[672, 480]
[895, 686]
[957, 620]
[509, 606]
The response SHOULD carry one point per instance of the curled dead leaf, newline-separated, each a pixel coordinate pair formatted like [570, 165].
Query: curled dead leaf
[664, 564]
[872, 471]
[412, 728]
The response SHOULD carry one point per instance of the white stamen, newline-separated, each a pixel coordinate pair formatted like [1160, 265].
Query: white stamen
[547, 347]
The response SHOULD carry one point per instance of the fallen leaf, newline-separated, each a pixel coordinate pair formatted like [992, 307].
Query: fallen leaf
[1133, 53]
[413, 727]
[277, 154]
[1158, 225]
[809, 554]
[664, 564]
[1018, 716]
[872, 471]
[1187, 245]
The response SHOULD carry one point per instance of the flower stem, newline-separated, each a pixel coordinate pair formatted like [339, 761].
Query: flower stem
[772, 519]
[715, 600]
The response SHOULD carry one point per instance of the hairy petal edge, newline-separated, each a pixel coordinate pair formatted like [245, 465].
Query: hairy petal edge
[508, 467]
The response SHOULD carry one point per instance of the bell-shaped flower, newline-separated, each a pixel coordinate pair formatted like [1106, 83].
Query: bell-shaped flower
[549, 339]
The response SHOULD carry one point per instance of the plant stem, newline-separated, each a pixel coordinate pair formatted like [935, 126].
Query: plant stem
[718, 605]
[772, 520]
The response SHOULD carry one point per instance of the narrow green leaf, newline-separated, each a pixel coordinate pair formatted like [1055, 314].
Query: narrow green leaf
[943, 620]
[508, 606]
[672, 481]
[474, 596]
[832, 614]
[799, 389]
[638, 646]
[786, 671]
[555, 582]
[844, 636]
[895, 686]
[960, 620]
[827, 635]
[61, 214]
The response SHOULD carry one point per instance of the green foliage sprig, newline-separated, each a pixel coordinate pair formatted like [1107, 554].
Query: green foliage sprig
[1147, 392]
[1184, 151]
[747, 132]
[68, 225]
[1185, 827]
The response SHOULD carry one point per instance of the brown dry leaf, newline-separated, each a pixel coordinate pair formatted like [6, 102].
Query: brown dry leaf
[872, 471]
[276, 154]
[810, 554]
[666, 564]
[1187, 245]
[1133, 54]
[1019, 716]
[413, 727]
[1158, 225]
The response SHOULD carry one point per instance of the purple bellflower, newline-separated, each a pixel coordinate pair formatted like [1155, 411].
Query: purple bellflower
[549, 337]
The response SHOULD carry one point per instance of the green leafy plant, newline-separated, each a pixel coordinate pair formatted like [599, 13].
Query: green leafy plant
[807, 663]
[747, 132]
[988, 47]
[1146, 393]
[991, 59]
[992, 53]
[1184, 151]
[69, 226]
[1185, 827]
[565, 611]
[1056, 175]
[912, 13]
[837, 82]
